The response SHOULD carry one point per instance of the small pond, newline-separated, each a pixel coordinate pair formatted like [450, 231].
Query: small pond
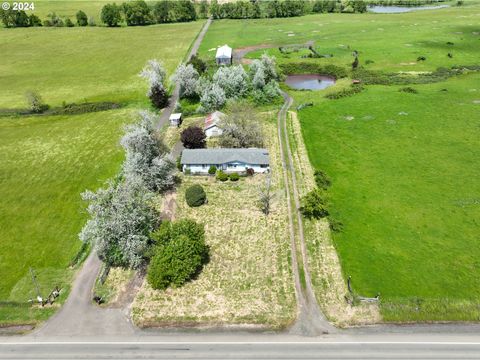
[401, 9]
[309, 81]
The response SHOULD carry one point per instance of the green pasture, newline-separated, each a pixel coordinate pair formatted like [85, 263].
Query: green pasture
[86, 63]
[404, 166]
[405, 186]
[393, 42]
[47, 161]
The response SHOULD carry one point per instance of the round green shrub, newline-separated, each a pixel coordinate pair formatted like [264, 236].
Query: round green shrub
[212, 170]
[221, 176]
[314, 205]
[234, 177]
[195, 196]
[176, 262]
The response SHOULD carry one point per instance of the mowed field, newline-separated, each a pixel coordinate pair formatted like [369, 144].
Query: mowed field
[47, 161]
[86, 64]
[404, 166]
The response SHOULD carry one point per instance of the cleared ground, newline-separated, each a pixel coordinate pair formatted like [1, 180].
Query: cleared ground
[403, 165]
[248, 279]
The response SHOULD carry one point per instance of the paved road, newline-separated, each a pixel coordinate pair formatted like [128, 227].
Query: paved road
[247, 349]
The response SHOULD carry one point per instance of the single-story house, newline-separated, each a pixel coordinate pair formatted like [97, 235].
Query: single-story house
[198, 161]
[211, 124]
[224, 55]
[175, 119]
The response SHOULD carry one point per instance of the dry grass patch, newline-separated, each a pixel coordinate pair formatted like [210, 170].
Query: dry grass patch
[171, 135]
[115, 284]
[323, 262]
[248, 279]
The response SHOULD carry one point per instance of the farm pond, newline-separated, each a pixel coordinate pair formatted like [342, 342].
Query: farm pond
[401, 9]
[309, 81]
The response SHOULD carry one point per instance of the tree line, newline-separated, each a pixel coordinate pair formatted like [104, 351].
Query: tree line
[139, 13]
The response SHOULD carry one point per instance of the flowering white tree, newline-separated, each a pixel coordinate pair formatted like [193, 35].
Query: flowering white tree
[268, 63]
[121, 221]
[213, 98]
[146, 156]
[155, 74]
[259, 78]
[263, 68]
[233, 80]
[186, 77]
[241, 128]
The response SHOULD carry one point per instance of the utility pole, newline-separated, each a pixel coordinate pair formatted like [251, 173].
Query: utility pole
[35, 283]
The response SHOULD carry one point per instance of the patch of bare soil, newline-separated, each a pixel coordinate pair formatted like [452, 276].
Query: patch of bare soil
[16, 329]
[169, 206]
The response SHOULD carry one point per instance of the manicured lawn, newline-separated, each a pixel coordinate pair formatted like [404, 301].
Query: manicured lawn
[86, 64]
[404, 166]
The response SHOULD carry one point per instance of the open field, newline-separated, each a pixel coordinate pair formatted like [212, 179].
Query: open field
[393, 42]
[405, 186]
[47, 161]
[248, 279]
[86, 64]
[403, 165]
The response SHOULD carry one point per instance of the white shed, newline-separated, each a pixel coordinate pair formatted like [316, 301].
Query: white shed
[211, 127]
[175, 119]
[224, 55]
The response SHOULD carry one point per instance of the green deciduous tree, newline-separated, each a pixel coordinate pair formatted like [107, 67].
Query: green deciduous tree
[111, 15]
[82, 19]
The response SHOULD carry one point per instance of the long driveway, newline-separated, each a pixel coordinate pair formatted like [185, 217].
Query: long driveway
[176, 92]
[79, 316]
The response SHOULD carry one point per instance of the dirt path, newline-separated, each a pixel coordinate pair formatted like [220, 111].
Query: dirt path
[239, 53]
[310, 320]
[79, 316]
[164, 117]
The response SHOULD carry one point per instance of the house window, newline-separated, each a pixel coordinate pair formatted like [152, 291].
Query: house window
[204, 166]
[263, 166]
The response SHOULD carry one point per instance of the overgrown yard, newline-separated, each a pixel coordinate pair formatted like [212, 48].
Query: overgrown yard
[248, 279]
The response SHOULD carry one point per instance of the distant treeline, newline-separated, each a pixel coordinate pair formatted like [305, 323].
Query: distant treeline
[140, 13]
[282, 8]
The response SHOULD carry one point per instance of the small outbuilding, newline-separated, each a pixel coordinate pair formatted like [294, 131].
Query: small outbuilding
[198, 161]
[224, 55]
[175, 119]
[212, 121]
